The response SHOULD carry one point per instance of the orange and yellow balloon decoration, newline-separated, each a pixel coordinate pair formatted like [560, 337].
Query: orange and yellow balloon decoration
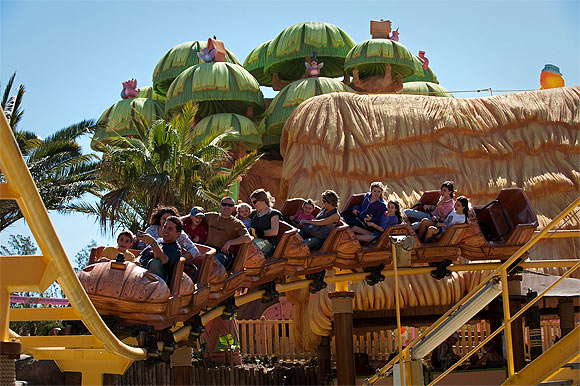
[551, 77]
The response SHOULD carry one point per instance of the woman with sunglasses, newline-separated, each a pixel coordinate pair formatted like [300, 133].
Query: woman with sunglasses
[265, 221]
[315, 231]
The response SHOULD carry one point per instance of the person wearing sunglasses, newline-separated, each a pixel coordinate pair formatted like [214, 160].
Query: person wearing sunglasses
[224, 231]
[315, 231]
[265, 221]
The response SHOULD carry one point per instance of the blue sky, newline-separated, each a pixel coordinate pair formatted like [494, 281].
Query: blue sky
[73, 55]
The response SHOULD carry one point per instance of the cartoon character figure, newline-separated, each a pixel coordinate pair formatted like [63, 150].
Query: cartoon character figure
[130, 89]
[551, 77]
[313, 68]
[207, 55]
[395, 35]
[424, 60]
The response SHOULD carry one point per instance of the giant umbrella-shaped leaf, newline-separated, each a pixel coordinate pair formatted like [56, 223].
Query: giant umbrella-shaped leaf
[244, 132]
[288, 99]
[371, 56]
[286, 53]
[217, 87]
[425, 88]
[176, 60]
[148, 92]
[119, 118]
[255, 62]
[419, 74]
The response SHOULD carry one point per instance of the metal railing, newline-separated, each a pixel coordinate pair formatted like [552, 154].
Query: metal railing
[502, 271]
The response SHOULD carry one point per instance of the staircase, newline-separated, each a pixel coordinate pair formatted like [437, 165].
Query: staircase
[558, 366]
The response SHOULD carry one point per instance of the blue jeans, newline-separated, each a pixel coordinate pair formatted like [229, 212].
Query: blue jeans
[416, 215]
[225, 260]
[156, 267]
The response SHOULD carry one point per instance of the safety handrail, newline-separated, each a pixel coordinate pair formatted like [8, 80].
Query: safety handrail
[502, 327]
[502, 271]
[18, 176]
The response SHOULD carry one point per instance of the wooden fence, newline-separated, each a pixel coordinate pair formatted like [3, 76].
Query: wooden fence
[274, 337]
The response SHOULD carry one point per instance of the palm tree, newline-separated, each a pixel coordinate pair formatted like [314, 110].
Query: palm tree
[164, 164]
[58, 166]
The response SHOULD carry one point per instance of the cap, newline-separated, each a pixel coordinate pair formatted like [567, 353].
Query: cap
[197, 211]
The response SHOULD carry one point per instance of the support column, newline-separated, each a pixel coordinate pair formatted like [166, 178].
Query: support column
[533, 323]
[566, 313]
[514, 287]
[323, 355]
[9, 352]
[495, 316]
[342, 309]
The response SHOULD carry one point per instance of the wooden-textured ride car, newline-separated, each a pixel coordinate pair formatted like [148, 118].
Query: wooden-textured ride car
[264, 270]
[447, 246]
[235, 276]
[126, 291]
[499, 228]
[306, 262]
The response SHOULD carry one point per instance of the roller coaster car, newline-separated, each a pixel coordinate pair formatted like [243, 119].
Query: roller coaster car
[263, 270]
[500, 228]
[302, 261]
[374, 254]
[447, 246]
[235, 277]
[129, 292]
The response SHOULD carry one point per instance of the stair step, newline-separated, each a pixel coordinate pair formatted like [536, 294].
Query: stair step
[573, 365]
[567, 382]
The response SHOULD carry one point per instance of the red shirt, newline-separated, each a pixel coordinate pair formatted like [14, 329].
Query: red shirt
[199, 231]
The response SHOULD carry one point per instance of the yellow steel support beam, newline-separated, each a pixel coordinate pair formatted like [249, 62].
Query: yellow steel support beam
[26, 273]
[549, 362]
[562, 234]
[18, 176]
[7, 193]
[566, 374]
[68, 341]
[507, 322]
[44, 313]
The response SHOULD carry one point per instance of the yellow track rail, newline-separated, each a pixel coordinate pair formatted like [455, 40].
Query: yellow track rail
[36, 273]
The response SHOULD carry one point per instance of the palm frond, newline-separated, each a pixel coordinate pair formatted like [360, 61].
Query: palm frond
[7, 90]
[72, 132]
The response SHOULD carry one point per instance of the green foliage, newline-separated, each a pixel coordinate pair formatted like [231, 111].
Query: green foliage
[227, 343]
[19, 245]
[61, 171]
[165, 163]
[81, 259]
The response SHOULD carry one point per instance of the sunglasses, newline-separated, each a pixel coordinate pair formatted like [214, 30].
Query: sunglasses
[254, 202]
[227, 204]
[325, 201]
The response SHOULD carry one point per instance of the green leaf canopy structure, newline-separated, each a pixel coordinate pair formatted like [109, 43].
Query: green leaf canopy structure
[148, 92]
[371, 56]
[289, 98]
[244, 129]
[419, 74]
[286, 53]
[425, 88]
[217, 87]
[119, 118]
[178, 59]
[255, 62]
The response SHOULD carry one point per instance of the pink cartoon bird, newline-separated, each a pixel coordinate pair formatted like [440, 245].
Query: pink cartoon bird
[424, 60]
[313, 68]
[130, 89]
